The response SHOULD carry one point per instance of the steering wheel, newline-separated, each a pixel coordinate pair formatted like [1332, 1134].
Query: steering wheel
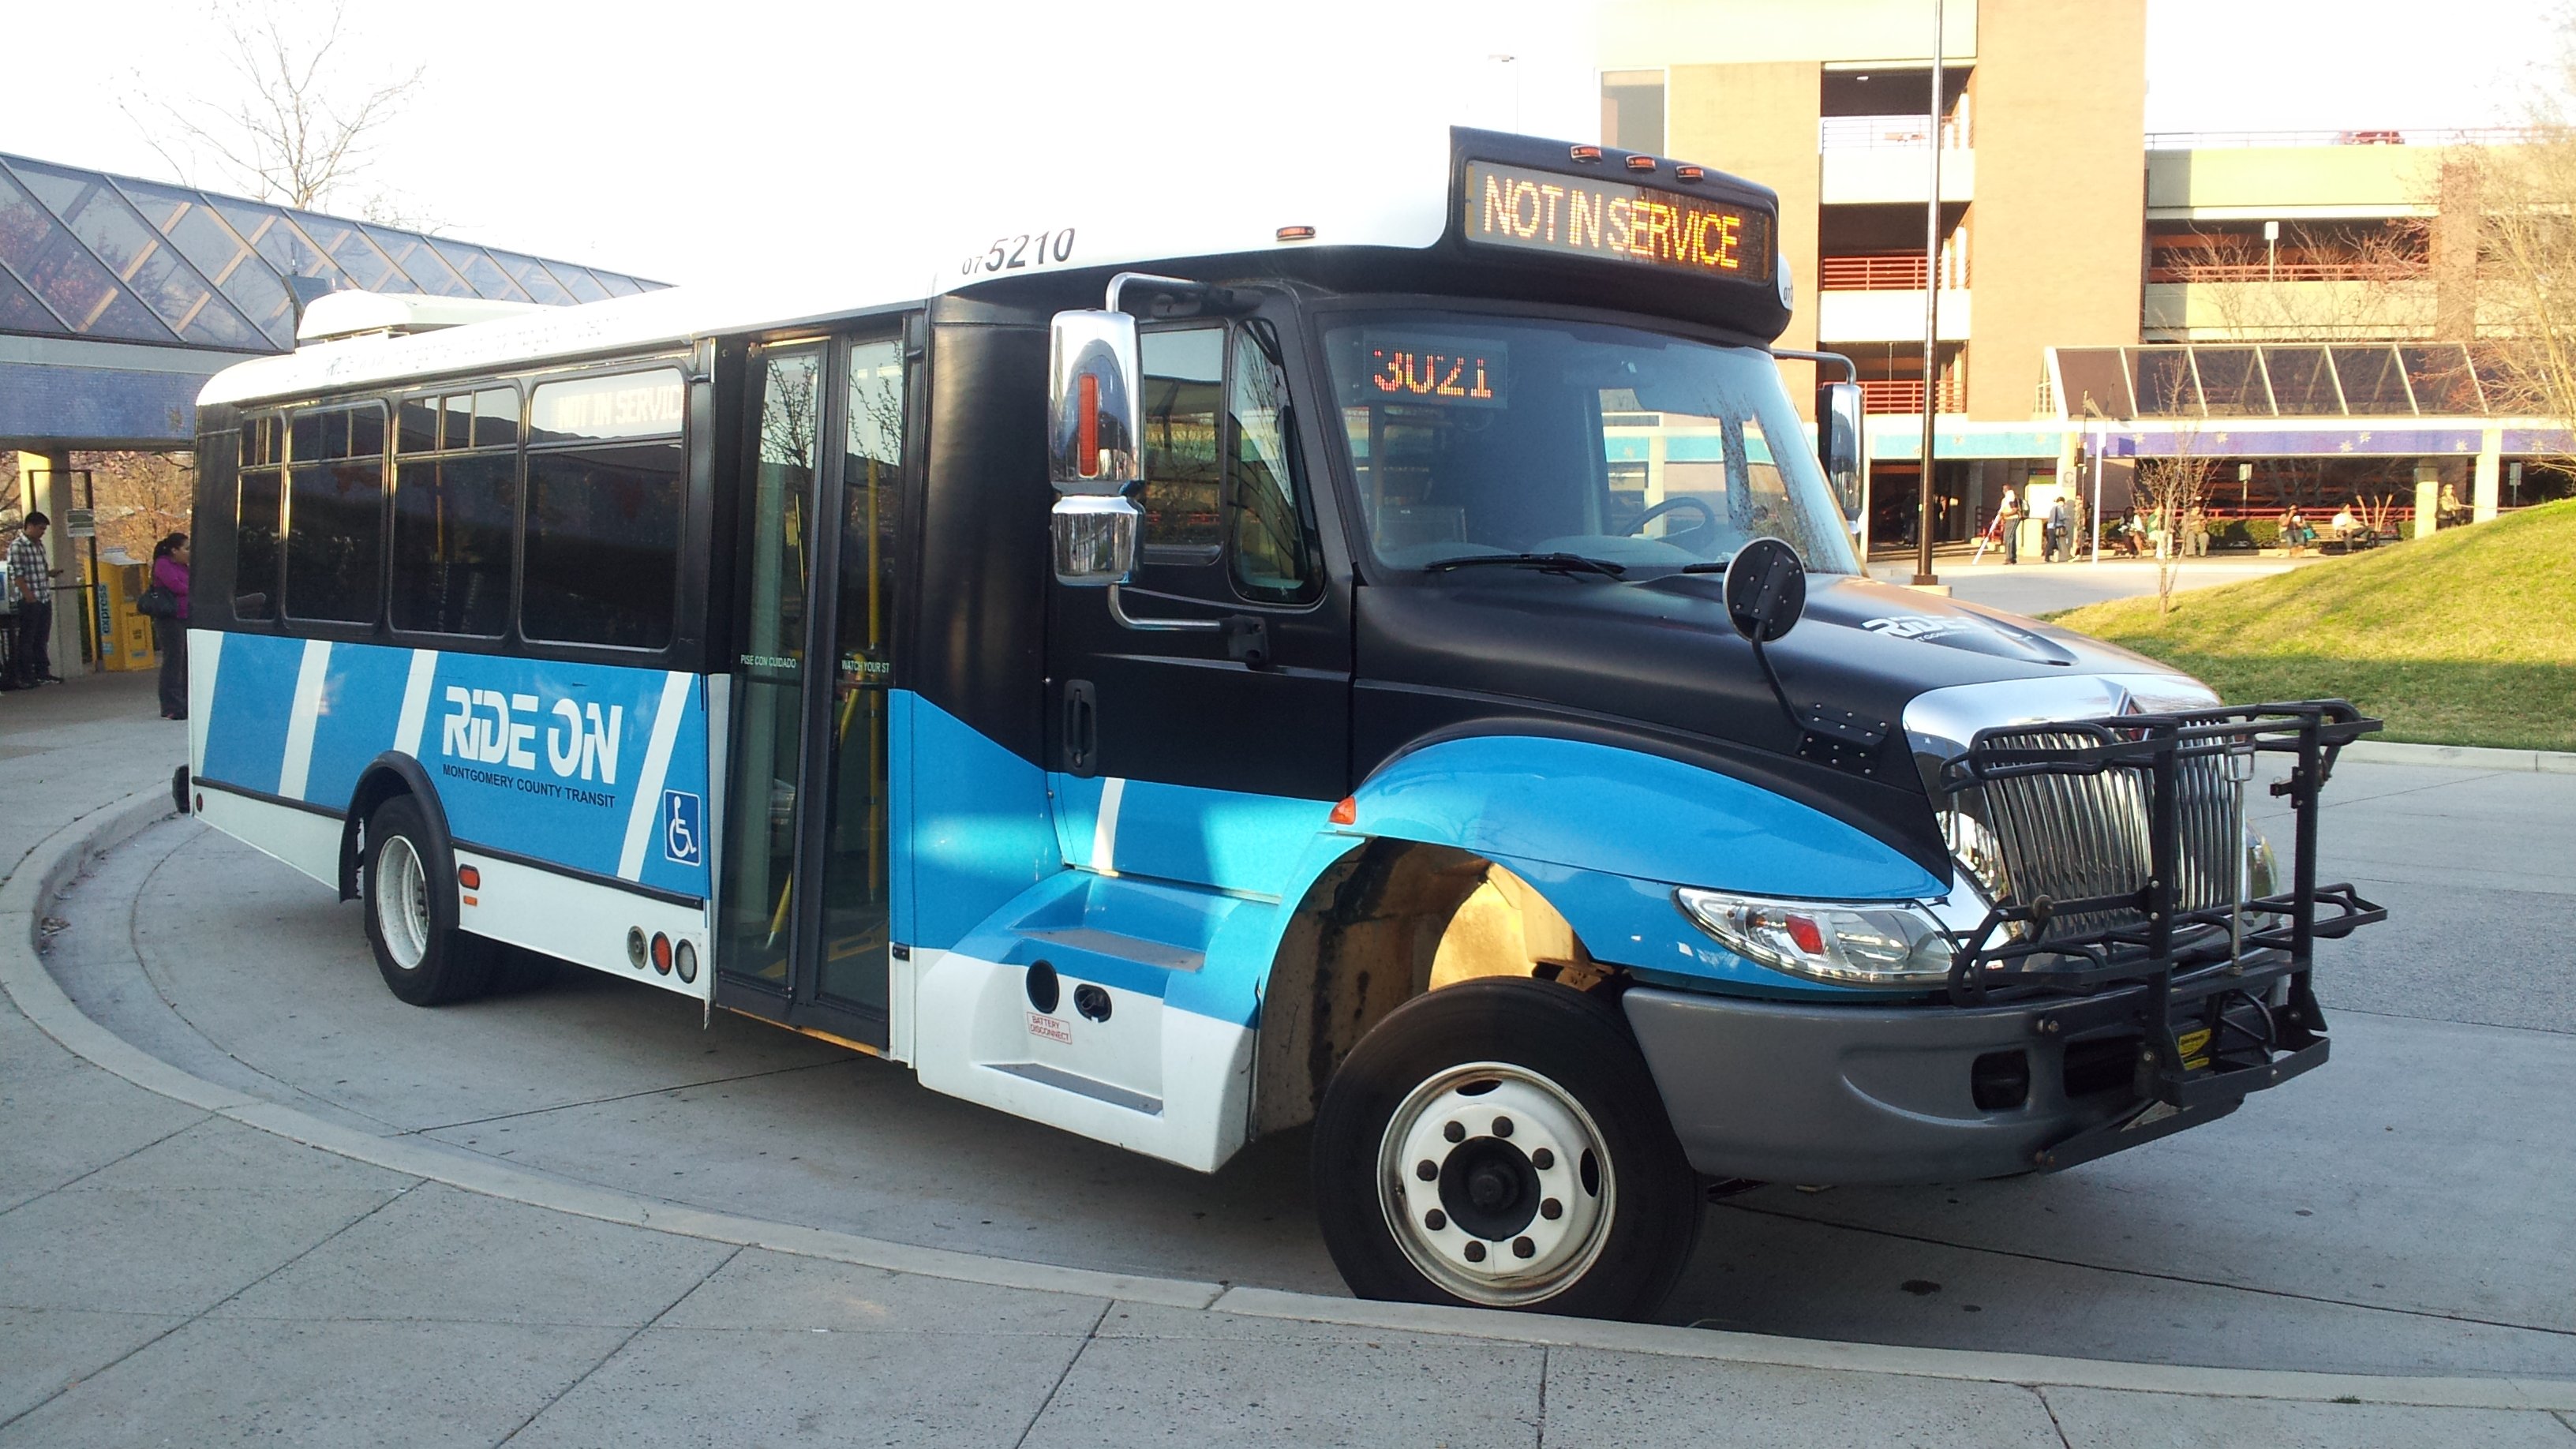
[1708, 515]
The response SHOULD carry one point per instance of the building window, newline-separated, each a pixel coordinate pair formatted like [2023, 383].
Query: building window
[1632, 110]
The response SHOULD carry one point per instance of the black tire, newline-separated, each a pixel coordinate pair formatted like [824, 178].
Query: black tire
[179, 789]
[423, 957]
[1623, 1225]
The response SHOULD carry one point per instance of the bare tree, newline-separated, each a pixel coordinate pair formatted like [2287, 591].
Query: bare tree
[2173, 488]
[297, 127]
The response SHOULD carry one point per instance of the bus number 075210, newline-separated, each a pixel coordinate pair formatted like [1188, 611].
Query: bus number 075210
[1028, 249]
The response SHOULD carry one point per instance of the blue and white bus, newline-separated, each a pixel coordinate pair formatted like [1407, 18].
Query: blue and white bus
[1393, 660]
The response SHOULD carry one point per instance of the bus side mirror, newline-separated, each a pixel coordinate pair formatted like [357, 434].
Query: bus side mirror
[1838, 444]
[1095, 539]
[1094, 419]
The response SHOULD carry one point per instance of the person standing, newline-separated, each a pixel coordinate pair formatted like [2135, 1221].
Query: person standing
[170, 631]
[31, 580]
[2059, 521]
[2008, 518]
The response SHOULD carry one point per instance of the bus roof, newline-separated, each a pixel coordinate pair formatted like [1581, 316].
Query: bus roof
[1398, 197]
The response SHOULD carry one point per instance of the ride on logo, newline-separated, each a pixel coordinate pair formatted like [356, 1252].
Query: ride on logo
[493, 728]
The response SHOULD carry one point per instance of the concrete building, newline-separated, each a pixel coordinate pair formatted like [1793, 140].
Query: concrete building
[2103, 293]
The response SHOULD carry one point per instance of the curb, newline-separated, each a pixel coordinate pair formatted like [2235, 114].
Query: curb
[2459, 757]
[60, 857]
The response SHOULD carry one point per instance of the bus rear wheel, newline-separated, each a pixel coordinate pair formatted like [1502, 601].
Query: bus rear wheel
[423, 962]
[1500, 1144]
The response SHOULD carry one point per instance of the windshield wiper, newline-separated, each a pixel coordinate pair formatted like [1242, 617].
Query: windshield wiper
[1709, 566]
[1554, 563]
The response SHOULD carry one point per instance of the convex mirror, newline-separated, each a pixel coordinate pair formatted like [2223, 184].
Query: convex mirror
[1766, 590]
[1094, 419]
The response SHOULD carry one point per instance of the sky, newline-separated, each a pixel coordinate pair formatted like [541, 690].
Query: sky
[687, 142]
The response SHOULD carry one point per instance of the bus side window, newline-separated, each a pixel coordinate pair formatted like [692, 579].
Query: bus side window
[1184, 372]
[335, 479]
[600, 561]
[255, 519]
[1272, 527]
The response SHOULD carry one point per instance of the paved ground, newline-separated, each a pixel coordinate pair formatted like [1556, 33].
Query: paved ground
[171, 1274]
[2037, 588]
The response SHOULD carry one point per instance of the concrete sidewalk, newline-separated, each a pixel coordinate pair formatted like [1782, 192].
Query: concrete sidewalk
[180, 1263]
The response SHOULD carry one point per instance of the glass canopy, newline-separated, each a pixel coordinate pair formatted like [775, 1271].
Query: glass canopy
[2307, 379]
[115, 259]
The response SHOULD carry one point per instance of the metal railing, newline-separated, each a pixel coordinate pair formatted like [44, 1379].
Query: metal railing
[1888, 133]
[1878, 272]
[2411, 136]
[1905, 395]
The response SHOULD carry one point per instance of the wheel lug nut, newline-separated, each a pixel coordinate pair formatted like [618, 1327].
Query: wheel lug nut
[1524, 1248]
[1502, 1126]
[1550, 1210]
[1427, 1170]
[1455, 1131]
[1542, 1159]
[1435, 1220]
[1475, 1252]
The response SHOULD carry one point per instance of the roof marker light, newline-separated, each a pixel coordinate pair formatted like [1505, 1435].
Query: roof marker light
[1348, 812]
[1585, 153]
[1296, 233]
[1689, 173]
[1641, 163]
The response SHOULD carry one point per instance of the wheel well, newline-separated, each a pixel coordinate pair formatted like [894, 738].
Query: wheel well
[380, 783]
[1389, 922]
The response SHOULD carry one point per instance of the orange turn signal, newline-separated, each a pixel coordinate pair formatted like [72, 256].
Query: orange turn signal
[1348, 812]
[661, 953]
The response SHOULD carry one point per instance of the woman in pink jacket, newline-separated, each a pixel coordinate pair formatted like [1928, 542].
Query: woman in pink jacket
[170, 571]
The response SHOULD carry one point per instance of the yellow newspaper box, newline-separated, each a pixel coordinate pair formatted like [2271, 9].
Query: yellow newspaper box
[124, 634]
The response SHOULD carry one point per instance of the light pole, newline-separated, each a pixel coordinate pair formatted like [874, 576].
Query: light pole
[1923, 575]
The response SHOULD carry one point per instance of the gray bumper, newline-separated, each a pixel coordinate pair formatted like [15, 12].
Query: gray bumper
[1851, 1094]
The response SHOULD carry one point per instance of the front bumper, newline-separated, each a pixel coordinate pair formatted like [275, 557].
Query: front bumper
[1853, 1094]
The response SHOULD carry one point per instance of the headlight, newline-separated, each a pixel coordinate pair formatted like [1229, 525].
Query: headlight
[2262, 871]
[1878, 944]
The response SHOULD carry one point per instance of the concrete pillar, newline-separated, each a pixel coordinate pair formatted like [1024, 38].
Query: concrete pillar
[69, 598]
[2490, 487]
[2428, 498]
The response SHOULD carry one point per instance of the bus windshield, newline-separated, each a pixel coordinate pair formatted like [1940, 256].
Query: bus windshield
[1481, 436]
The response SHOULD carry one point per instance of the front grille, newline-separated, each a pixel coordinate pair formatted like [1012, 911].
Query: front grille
[2065, 837]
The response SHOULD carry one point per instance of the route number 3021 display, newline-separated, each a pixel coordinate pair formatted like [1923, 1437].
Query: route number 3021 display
[1028, 249]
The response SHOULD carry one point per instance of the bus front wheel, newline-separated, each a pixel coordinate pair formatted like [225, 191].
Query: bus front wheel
[422, 960]
[1500, 1144]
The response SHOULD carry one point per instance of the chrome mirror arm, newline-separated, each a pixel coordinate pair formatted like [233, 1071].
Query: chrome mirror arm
[1118, 612]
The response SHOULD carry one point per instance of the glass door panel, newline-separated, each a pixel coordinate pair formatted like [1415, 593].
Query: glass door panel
[756, 925]
[853, 960]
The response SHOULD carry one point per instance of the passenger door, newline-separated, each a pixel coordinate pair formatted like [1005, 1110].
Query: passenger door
[803, 907]
[1201, 756]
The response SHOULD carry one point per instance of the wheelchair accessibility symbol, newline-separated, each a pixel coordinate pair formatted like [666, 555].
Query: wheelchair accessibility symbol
[683, 840]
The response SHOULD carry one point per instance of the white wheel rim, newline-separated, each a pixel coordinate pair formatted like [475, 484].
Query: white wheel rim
[1488, 1222]
[402, 902]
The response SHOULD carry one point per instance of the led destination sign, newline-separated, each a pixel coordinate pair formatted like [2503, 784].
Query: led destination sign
[1548, 211]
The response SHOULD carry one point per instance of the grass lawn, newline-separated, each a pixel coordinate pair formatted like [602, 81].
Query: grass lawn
[2465, 638]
